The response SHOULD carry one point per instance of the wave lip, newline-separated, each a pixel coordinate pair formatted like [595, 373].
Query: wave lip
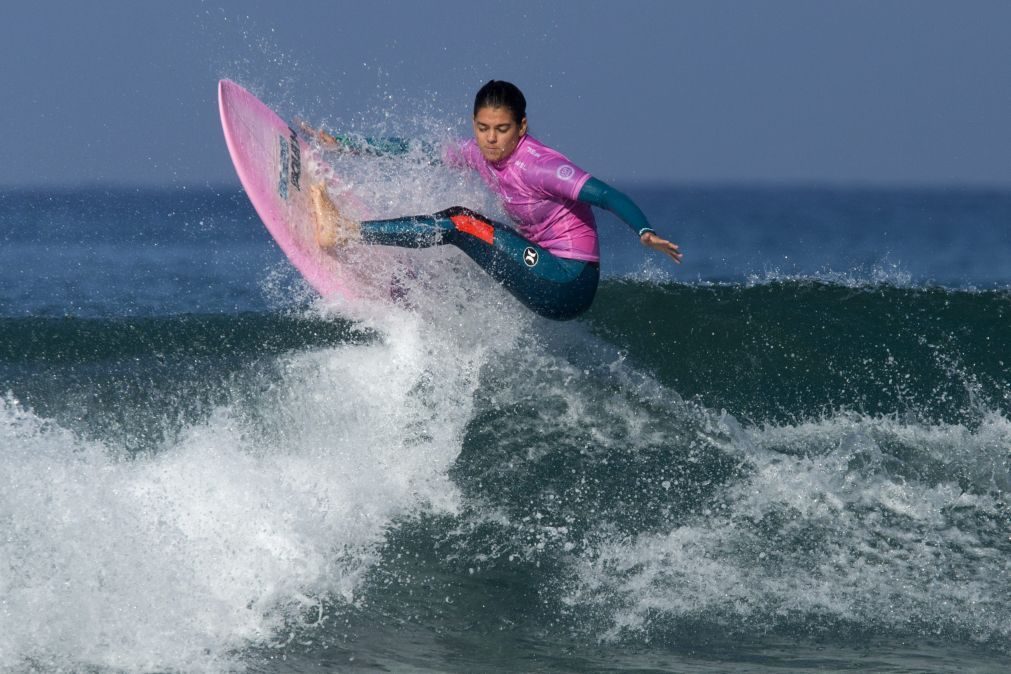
[799, 349]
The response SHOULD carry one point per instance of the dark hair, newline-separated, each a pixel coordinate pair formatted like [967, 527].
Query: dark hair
[499, 94]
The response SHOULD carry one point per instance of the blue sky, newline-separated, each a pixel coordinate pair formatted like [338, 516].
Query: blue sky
[855, 92]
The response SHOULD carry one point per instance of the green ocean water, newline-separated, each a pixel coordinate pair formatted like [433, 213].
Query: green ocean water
[787, 468]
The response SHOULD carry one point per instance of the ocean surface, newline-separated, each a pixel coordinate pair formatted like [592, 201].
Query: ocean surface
[790, 453]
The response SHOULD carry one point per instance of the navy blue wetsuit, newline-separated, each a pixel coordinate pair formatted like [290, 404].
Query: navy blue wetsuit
[554, 287]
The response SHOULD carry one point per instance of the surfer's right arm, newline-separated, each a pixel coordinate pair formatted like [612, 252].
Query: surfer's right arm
[371, 147]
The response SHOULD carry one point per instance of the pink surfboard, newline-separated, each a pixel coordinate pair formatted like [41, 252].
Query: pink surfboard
[276, 168]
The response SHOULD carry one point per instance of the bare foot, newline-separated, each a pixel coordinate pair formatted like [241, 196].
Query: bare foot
[332, 228]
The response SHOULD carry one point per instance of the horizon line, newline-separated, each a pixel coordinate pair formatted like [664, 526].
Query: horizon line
[855, 185]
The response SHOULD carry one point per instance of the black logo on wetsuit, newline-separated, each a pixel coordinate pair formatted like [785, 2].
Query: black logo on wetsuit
[530, 257]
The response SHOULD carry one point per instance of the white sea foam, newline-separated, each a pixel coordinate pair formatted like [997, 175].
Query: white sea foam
[883, 273]
[831, 524]
[180, 559]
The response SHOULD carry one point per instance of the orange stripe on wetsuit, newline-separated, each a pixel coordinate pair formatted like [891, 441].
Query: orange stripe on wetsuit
[476, 228]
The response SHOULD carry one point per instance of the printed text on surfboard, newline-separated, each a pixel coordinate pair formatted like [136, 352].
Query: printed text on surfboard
[290, 164]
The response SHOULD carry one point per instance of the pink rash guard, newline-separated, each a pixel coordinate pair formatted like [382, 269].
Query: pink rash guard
[539, 189]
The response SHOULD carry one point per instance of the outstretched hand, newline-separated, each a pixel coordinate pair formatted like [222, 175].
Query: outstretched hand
[326, 140]
[651, 240]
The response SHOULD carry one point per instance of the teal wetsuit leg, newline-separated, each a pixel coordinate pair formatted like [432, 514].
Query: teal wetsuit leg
[554, 287]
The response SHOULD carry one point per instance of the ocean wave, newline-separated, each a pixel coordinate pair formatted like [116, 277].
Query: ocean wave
[847, 526]
[795, 350]
[231, 523]
[797, 458]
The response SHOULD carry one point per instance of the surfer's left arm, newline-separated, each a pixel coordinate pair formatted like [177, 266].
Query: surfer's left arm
[600, 194]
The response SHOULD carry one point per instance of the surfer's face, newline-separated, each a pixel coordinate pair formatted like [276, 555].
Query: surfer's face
[497, 132]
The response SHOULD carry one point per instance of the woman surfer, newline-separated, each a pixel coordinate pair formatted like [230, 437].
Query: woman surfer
[552, 263]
